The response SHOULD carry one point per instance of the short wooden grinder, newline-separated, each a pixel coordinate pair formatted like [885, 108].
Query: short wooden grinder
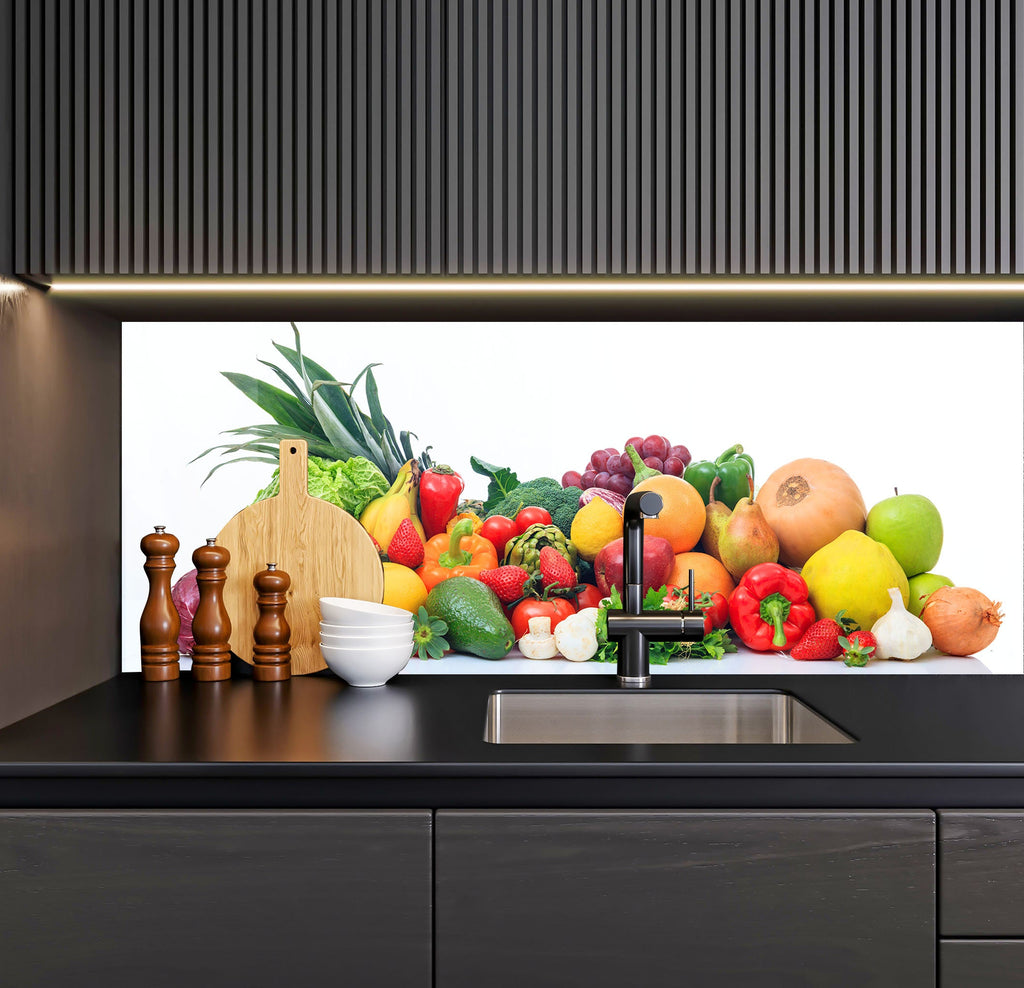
[271, 650]
[211, 627]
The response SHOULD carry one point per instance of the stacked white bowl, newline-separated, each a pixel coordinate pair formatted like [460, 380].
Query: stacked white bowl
[362, 642]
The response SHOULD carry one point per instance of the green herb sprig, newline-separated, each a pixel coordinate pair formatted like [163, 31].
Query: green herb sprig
[714, 645]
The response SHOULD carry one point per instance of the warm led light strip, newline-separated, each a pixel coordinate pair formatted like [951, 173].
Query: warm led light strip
[535, 286]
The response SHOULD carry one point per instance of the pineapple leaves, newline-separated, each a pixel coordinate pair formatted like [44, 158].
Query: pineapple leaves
[288, 380]
[334, 413]
[309, 370]
[278, 404]
[241, 459]
[321, 410]
[267, 439]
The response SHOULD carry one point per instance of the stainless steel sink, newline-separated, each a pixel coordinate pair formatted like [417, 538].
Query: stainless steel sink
[655, 717]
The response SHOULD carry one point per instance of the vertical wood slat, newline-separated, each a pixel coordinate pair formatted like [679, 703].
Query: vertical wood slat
[517, 136]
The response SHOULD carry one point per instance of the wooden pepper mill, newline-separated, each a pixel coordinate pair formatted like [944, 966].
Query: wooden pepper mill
[160, 624]
[271, 651]
[211, 627]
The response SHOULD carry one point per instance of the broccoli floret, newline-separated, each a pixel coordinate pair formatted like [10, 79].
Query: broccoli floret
[544, 492]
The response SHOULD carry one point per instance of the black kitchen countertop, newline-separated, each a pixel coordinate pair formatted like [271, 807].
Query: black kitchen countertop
[921, 741]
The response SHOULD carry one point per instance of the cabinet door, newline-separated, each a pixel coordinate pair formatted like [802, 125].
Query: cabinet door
[658, 898]
[982, 868]
[254, 898]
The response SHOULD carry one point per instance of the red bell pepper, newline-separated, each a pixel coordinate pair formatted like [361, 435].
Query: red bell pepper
[440, 490]
[768, 610]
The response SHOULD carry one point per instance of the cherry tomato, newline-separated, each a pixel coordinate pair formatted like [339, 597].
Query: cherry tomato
[558, 609]
[715, 607]
[498, 529]
[531, 516]
[717, 610]
[589, 596]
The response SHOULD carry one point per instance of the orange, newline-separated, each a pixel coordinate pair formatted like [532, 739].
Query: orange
[709, 575]
[682, 516]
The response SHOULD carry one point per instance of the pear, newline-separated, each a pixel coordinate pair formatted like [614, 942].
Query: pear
[716, 516]
[746, 539]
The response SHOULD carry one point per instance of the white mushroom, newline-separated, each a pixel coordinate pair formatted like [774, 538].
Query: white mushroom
[576, 635]
[539, 643]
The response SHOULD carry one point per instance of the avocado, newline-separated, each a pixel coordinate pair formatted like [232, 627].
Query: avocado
[475, 619]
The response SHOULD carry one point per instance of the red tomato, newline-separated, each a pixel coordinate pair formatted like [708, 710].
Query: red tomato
[558, 609]
[498, 530]
[718, 611]
[715, 607]
[531, 516]
[589, 596]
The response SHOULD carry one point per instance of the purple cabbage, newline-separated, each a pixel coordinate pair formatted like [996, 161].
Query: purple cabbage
[617, 501]
[185, 594]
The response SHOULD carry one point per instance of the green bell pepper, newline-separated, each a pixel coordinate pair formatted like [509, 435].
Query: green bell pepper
[735, 470]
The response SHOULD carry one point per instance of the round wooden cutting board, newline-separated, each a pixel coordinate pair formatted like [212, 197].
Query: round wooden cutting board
[324, 549]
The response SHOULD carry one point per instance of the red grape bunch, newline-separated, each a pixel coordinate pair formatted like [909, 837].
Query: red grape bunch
[613, 470]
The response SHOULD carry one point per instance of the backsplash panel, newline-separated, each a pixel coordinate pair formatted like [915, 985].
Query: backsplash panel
[895, 404]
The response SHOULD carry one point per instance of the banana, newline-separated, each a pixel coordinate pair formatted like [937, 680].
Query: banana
[382, 516]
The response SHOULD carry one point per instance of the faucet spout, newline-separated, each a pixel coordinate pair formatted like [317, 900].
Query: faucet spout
[639, 505]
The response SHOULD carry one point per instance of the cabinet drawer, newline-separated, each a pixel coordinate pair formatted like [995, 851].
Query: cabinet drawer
[981, 963]
[981, 873]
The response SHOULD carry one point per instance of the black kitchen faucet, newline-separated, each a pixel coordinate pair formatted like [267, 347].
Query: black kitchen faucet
[631, 627]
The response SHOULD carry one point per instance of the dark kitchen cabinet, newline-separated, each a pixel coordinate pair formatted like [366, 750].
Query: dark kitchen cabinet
[981, 963]
[562, 137]
[604, 898]
[259, 898]
[981, 856]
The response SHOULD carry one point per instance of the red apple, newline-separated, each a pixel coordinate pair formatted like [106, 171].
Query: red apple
[659, 559]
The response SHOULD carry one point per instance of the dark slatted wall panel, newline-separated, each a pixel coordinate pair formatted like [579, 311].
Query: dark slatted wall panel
[519, 136]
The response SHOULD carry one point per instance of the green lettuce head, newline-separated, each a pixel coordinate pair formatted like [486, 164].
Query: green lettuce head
[350, 484]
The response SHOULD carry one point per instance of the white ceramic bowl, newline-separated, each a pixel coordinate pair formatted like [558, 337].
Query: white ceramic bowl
[345, 610]
[329, 628]
[360, 666]
[367, 641]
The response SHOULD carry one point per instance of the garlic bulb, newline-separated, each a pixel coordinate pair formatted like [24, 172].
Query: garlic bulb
[899, 634]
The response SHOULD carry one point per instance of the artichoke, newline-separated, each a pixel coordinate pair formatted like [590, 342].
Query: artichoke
[524, 550]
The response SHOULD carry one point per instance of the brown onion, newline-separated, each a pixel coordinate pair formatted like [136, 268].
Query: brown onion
[962, 621]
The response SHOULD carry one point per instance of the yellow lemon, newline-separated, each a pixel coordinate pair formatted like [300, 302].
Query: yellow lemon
[595, 525]
[403, 588]
[854, 573]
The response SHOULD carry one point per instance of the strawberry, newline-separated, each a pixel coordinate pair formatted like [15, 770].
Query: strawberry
[506, 581]
[406, 546]
[376, 545]
[555, 569]
[858, 647]
[819, 641]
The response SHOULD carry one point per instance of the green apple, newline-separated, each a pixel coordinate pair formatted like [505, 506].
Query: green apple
[921, 588]
[909, 524]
